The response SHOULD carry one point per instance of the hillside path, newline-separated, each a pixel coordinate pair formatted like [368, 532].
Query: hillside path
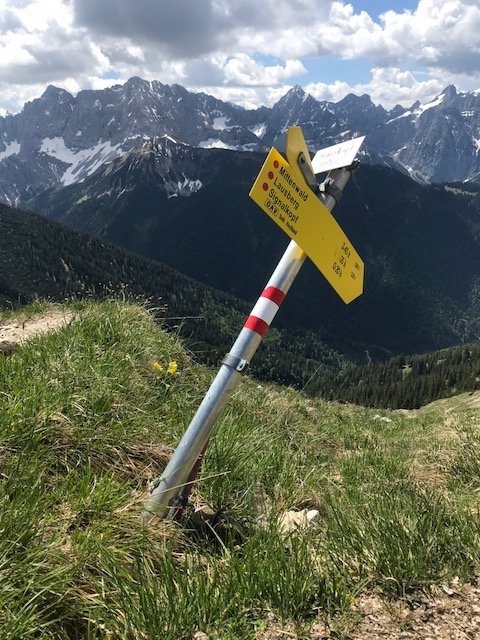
[14, 333]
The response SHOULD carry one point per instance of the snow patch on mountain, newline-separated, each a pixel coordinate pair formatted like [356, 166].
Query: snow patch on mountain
[215, 143]
[12, 149]
[183, 188]
[428, 105]
[220, 124]
[259, 129]
[419, 109]
[403, 115]
[83, 162]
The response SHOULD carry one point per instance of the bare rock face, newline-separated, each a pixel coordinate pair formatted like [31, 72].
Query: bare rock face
[445, 144]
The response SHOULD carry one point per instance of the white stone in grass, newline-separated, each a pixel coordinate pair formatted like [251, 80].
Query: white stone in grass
[382, 418]
[292, 521]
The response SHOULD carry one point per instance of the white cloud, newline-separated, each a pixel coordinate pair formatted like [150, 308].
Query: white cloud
[332, 92]
[39, 15]
[248, 50]
[388, 87]
[467, 81]
[243, 70]
[187, 29]
[14, 52]
[442, 34]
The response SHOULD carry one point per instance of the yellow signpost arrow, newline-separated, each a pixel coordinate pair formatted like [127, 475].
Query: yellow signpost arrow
[296, 145]
[281, 191]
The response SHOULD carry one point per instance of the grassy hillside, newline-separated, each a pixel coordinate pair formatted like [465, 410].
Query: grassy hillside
[89, 414]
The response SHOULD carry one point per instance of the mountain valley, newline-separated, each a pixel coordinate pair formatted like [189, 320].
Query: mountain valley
[184, 206]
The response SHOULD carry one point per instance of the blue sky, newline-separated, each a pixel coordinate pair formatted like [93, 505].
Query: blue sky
[245, 51]
[332, 68]
[377, 7]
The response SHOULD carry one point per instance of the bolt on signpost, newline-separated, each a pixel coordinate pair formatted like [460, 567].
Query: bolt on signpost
[288, 192]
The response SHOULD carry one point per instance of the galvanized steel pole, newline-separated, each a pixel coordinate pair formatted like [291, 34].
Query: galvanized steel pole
[177, 473]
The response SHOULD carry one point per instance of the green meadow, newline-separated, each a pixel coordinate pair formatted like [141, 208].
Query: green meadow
[89, 415]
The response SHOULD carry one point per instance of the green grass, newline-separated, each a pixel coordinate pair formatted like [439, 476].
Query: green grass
[87, 419]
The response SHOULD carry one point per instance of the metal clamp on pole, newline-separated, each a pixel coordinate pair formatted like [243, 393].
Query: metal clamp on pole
[239, 364]
[328, 187]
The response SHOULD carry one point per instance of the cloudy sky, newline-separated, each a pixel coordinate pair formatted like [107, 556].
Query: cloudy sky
[247, 51]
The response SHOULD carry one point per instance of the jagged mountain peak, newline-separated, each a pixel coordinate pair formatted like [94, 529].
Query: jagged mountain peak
[52, 92]
[352, 100]
[295, 95]
[136, 81]
[297, 90]
[397, 111]
[450, 91]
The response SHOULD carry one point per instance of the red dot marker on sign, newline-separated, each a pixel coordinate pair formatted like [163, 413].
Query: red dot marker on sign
[270, 175]
[265, 186]
[275, 164]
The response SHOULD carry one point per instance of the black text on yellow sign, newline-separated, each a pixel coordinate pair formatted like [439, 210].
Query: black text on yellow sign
[281, 191]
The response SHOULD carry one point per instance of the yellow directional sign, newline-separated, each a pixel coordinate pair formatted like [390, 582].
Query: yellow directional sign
[281, 191]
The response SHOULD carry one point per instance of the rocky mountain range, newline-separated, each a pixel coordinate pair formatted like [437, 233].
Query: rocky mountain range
[59, 139]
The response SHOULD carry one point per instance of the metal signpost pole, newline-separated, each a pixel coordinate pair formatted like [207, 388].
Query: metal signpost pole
[177, 475]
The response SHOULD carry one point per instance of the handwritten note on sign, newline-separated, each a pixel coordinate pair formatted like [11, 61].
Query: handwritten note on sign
[340, 155]
[281, 192]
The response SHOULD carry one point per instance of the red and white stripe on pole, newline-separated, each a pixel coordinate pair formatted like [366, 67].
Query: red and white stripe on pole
[265, 310]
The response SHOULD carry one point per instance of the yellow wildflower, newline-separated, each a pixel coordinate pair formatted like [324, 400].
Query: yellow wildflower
[172, 367]
[156, 366]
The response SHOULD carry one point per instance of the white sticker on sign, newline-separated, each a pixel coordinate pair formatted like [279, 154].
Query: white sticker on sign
[340, 155]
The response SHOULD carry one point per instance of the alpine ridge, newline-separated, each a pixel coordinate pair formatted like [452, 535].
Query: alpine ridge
[59, 139]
